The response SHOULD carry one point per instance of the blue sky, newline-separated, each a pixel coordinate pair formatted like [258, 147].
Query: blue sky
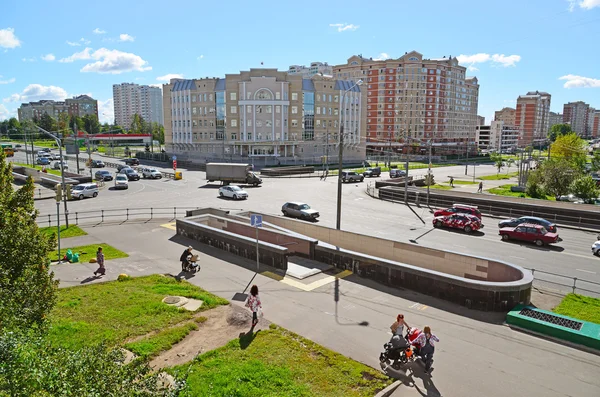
[58, 49]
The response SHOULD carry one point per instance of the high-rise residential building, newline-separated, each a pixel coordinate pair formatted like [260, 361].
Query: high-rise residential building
[263, 116]
[315, 68]
[480, 120]
[411, 96]
[78, 106]
[497, 137]
[576, 114]
[506, 115]
[532, 117]
[553, 119]
[130, 99]
[596, 126]
[589, 131]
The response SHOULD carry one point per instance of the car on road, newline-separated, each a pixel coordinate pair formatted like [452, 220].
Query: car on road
[467, 223]
[121, 182]
[395, 173]
[151, 173]
[596, 248]
[97, 164]
[351, 176]
[121, 166]
[84, 190]
[372, 172]
[529, 232]
[42, 161]
[234, 192]
[296, 209]
[131, 174]
[132, 161]
[60, 164]
[46, 150]
[551, 227]
[18, 145]
[459, 209]
[103, 175]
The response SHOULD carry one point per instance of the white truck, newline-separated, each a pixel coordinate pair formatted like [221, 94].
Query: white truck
[232, 173]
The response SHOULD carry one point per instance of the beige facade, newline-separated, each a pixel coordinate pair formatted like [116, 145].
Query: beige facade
[506, 115]
[264, 115]
[77, 106]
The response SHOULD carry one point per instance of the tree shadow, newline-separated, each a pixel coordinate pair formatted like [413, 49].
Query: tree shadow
[247, 338]
[90, 279]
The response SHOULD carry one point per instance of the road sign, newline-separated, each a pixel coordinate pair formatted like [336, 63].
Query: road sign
[174, 158]
[256, 220]
[174, 164]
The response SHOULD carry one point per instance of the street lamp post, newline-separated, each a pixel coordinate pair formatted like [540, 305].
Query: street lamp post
[338, 223]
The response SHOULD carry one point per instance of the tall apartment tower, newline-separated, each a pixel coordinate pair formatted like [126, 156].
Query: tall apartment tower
[130, 99]
[426, 99]
[596, 125]
[506, 115]
[532, 117]
[576, 114]
[553, 119]
[589, 132]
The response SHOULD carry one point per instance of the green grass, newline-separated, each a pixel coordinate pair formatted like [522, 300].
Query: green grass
[441, 187]
[153, 345]
[279, 363]
[498, 177]
[87, 252]
[119, 310]
[51, 143]
[580, 307]
[504, 190]
[459, 182]
[39, 167]
[65, 232]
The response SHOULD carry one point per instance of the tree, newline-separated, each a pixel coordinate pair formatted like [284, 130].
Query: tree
[557, 130]
[585, 188]
[535, 188]
[15, 130]
[497, 159]
[557, 175]
[596, 161]
[509, 163]
[571, 148]
[138, 125]
[63, 121]
[47, 122]
[91, 125]
[158, 133]
[27, 289]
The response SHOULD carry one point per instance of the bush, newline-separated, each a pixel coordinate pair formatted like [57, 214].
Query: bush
[535, 188]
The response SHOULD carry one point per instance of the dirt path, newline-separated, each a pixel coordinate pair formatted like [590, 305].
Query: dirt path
[223, 324]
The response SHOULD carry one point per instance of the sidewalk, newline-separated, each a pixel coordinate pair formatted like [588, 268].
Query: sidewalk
[477, 355]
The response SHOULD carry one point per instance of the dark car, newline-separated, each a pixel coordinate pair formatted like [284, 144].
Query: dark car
[121, 166]
[466, 222]
[103, 175]
[372, 172]
[459, 209]
[529, 232]
[551, 227]
[132, 161]
[132, 175]
[395, 173]
[97, 164]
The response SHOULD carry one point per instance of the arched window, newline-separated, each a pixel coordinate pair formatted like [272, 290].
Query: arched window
[263, 94]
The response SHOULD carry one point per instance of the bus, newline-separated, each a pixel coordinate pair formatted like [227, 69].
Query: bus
[8, 149]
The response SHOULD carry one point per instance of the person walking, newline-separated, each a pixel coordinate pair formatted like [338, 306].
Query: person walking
[426, 341]
[480, 190]
[100, 260]
[184, 258]
[451, 181]
[254, 304]
[398, 326]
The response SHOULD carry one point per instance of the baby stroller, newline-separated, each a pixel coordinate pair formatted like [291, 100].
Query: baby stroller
[191, 264]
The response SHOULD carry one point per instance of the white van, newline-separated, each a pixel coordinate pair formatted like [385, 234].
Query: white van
[84, 190]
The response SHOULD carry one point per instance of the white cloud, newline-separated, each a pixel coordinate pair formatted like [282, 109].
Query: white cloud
[200, 57]
[36, 92]
[28, 59]
[98, 31]
[106, 111]
[8, 38]
[589, 4]
[382, 57]
[573, 81]
[472, 68]
[475, 58]
[4, 113]
[9, 81]
[81, 41]
[73, 43]
[168, 77]
[572, 4]
[48, 57]
[126, 37]
[342, 27]
[506, 60]
[115, 62]
[495, 59]
[85, 54]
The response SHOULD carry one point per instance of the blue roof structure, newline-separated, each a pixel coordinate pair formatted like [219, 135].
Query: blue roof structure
[308, 85]
[344, 85]
[184, 85]
[220, 86]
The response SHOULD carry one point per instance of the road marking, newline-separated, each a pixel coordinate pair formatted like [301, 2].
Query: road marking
[414, 305]
[316, 284]
[424, 307]
[586, 271]
[517, 257]
[170, 225]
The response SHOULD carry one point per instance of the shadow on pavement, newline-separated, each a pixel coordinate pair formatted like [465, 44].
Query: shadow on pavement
[90, 279]
[407, 374]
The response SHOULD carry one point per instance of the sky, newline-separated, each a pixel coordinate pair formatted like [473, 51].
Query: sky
[60, 49]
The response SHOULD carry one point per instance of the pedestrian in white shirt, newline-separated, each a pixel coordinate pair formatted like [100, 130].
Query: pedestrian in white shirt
[426, 342]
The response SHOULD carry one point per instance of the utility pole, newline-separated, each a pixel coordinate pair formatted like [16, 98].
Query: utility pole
[467, 161]
[406, 176]
[62, 172]
[390, 150]
[429, 171]
[26, 153]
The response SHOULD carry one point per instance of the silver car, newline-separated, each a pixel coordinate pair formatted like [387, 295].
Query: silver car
[84, 190]
[299, 210]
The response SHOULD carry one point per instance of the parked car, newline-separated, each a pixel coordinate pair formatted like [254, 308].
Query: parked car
[151, 173]
[466, 222]
[234, 192]
[121, 181]
[596, 248]
[570, 198]
[42, 161]
[18, 145]
[299, 210]
[46, 150]
[84, 190]
[131, 174]
[60, 164]
[103, 175]
[529, 232]
[395, 173]
[551, 227]
[372, 172]
[351, 176]
[121, 166]
[459, 209]
[97, 164]
[132, 161]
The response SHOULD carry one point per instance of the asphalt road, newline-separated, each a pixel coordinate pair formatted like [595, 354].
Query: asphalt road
[362, 214]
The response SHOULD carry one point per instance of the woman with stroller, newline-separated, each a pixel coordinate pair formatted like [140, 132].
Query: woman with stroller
[426, 341]
[184, 258]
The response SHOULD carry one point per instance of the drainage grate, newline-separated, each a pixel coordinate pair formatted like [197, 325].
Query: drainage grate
[549, 318]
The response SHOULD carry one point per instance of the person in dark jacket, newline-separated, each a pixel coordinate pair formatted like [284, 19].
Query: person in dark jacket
[184, 258]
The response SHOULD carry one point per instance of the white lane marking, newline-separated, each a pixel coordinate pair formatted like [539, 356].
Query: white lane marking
[517, 257]
[586, 271]
[460, 246]
[413, 306]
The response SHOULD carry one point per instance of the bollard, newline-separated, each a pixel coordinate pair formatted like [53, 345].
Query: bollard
[49, 221]
[174, 212]
[76, 220]
[127, 213]
[150, 213]
[574, 282]
[102, 215]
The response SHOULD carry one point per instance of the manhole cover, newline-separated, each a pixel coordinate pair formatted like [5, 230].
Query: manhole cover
[171, 300]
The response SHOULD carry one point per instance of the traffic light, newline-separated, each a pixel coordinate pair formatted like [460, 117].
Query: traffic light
[336, 290]
[68, 191]
[58, 192]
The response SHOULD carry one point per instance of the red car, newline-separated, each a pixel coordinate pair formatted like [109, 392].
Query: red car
[529, 232]
[466, 222]
[459, 209]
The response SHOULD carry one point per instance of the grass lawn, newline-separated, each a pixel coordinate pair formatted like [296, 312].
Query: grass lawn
[117, 310]
[162, 341]
[498, 177]
[39, 167]
[51, 143]
[71, 231]
[504, 190]
[580, 307]
[459, 182]
[441, 187]
[86, 252]
[277, 362]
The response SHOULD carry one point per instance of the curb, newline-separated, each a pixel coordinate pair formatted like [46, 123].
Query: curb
[389, 390]
[554, 339]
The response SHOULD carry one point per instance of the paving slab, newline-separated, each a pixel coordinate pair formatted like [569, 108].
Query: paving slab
[301, 268]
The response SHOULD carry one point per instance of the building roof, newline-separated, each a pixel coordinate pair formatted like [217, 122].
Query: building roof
[84, 97]
[184, 85]
[344, 85]
[308, 85]
[220, 86]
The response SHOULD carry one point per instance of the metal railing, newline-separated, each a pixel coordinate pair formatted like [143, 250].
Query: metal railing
[564, 283]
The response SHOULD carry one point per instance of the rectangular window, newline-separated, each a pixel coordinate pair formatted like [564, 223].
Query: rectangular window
[204, 97]
[234, 136]
[212, 136]
[277, 109]
[193, 110]
[269, 109]
[318, 122]
[277, 123]
[249, 109]
[318, 110]
[294, 109]
[249, 123]
[195, 123]
[233, 96]
[210, 97]
[294, 123]
[294, 96]
[278, 95]
[268, 123]
[234, 123]
[248, 95]
[193, 98]
[234, 109]
[335, 111]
